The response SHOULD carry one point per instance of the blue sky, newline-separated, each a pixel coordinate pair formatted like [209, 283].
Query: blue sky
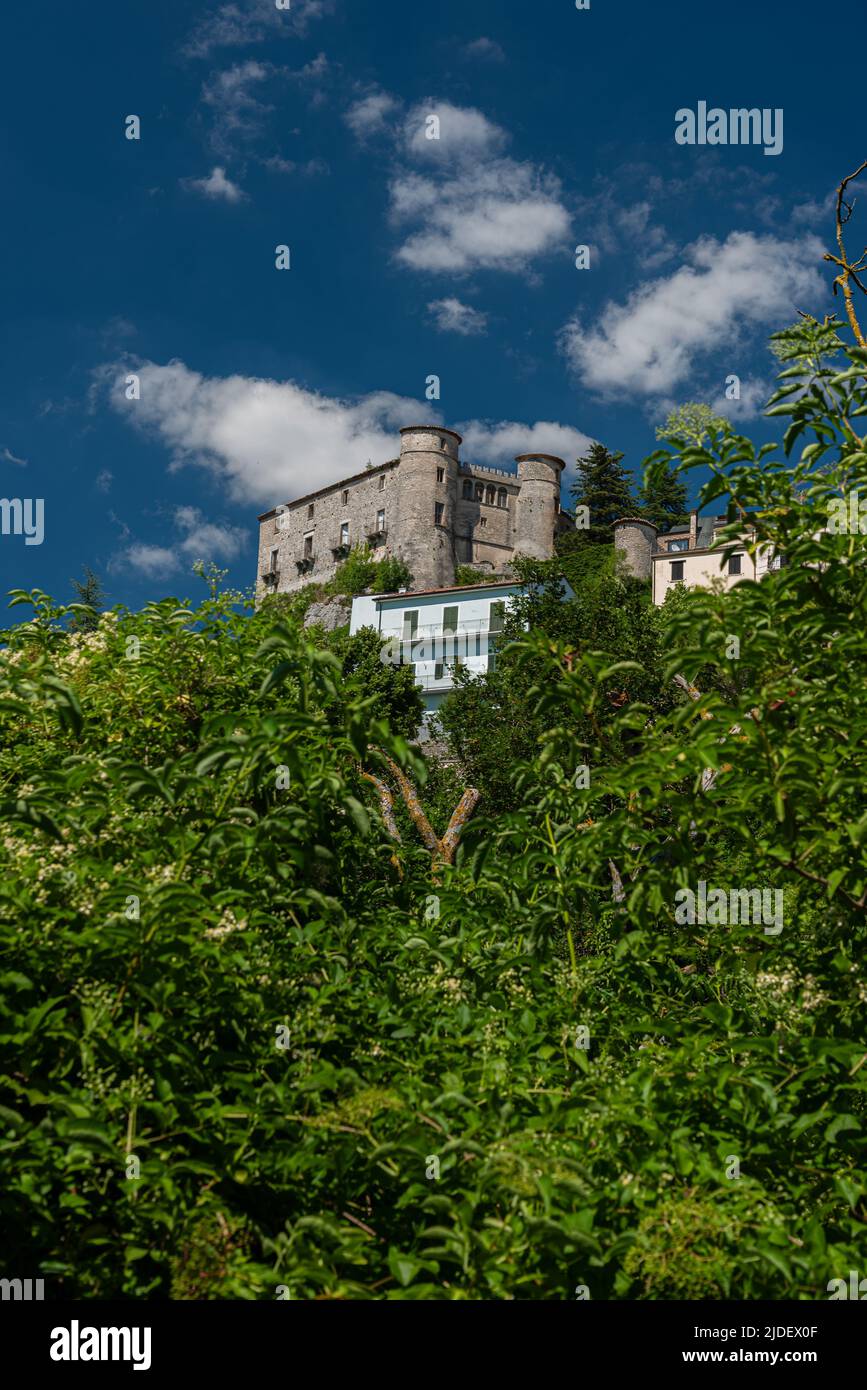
[410, 257]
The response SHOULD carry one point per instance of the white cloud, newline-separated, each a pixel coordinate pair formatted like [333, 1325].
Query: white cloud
[150, 561]
[451, 316]
[461, 204]
[499, 443]
[243, 22]
[499, 215]
[464, 133]
[104, 479]
[217, 185]
[269, 441]
[9, 457]
[651, 343]
[265, 441]
[369, 116]
[487, 50]
[204, 540]
[754, 395]
[237, 113]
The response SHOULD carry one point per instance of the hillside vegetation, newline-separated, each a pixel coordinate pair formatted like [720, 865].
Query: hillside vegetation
[254, 1047]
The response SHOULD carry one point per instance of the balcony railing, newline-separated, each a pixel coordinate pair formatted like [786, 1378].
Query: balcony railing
[433, 644]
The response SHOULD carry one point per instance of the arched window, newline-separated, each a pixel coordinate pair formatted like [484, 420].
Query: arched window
[468, 488]
[491, 495]
[502, 498]
[480, 492]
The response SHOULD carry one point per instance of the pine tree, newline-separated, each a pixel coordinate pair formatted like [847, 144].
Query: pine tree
[663, 499]
[605, 489]
[91, 594]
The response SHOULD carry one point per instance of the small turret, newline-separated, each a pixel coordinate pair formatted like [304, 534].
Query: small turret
[635, 540]
[538, 504]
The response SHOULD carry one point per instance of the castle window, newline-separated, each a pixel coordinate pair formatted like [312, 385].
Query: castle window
[272, 563]
[308, 547]
[502, 498]
[310, 512]
[676, 570]
[380, 522]
[345, 498]
[441, 473]
[468, 488]
[382, 482]
[483, 521]
[480, 492]
[438, 513]
[734, 564]
[344, 533]
[491, 495]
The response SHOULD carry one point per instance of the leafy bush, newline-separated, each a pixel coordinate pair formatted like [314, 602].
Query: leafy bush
[248, 1041]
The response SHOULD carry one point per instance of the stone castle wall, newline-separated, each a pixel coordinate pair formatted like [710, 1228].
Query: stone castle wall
[438, 513]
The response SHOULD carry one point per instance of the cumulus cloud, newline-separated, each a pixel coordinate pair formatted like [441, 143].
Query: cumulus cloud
[370, 115]
[500, 442]
[244, 22]
[216, 185]
[269, 441]
[265, 440]
[451, 316]
[149, 561]
[484, 50]
[198, 540]
[500, 215]
[651, 343]
[459, 201]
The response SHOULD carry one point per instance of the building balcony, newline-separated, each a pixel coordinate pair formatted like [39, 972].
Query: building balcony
[305, 563]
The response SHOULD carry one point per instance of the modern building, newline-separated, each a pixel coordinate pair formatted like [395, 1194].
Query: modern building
[689, 554]
[428, 507]
[440, 630]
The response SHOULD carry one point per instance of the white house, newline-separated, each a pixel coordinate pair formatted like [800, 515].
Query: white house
[438, 630]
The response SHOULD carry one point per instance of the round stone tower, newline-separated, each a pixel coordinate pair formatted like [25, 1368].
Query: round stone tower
[426, 504]
[538, 504]
[635, 539]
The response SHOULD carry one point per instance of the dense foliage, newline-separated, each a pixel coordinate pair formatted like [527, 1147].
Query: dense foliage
[244, 1051]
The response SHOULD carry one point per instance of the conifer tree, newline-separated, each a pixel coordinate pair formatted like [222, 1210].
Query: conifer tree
[605, 489]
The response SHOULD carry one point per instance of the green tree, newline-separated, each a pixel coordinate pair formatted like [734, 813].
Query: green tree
[605, 489]
[663, 499]
[91, 597]
[691, 422]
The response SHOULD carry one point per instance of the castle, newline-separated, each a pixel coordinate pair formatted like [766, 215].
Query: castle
[428, 508]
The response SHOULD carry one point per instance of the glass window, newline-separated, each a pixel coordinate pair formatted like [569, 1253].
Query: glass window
[438, 671]
[450, 619]
[410, 624]
[380, 522]
[346, 497]
[344, 533]
[678, 545]
[498, 613]
[735, 564]
[676, 570]
[438, 513]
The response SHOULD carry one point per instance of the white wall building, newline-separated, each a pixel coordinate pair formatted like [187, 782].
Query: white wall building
[438, 630]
